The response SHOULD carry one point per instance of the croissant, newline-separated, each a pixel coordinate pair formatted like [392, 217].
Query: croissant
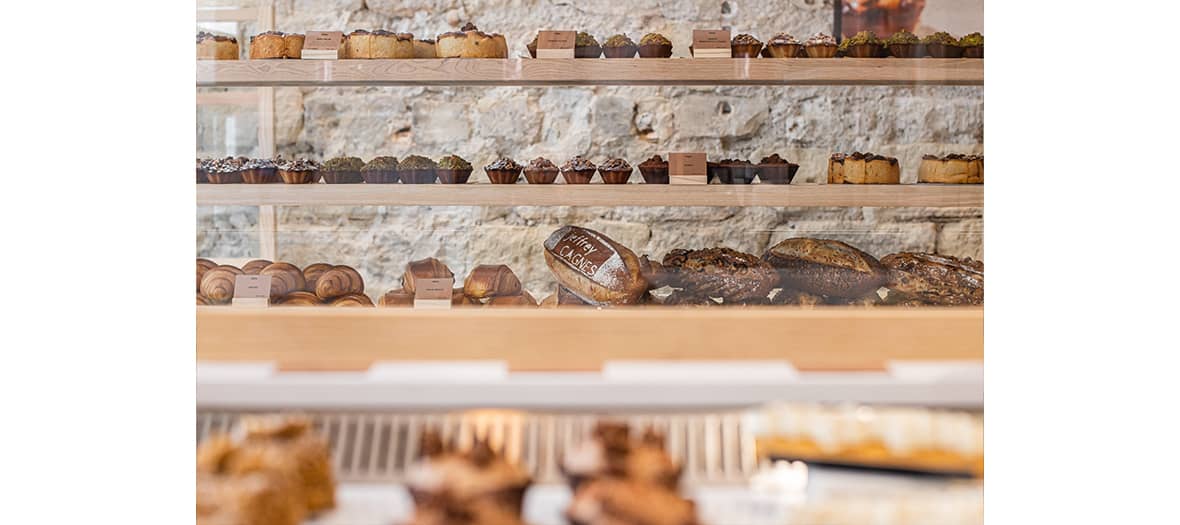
[397, 297]
[353, 299]
[202, 300]
[284, 279]
[299, 298]
[340, 280]
[429, 268]
[312, 273]
[356, 282]
[491, 280]
[522, 299]
[218, 284]
[458, 298]
[255, 266]
[203, 265]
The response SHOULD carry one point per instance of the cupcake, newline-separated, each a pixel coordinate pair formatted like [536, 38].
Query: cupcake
[202, 176]
[578, 170]
[503, 171]
[475, 475]
[745, 46]
[782, 46]
[343, 170]
[615, 171]
[225, 171]
[453, 169]
[942, 45]
[540, 171]
[904, 44]
[532, 46]
[654, 170]
[380, 170]
[864, 44]
[619, 46]
[417, 169]
[737, 171]
[972, 45]
[655, 45]
[260, 171]
[820, 46]
[776, 170]
[585, 46]
[299, 171]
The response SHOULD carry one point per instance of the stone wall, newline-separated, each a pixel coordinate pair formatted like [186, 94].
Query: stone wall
[804, 124]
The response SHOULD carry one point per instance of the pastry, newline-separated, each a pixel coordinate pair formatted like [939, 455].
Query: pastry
[343, 170]
[562, 297]
[503, 171]
[203, 265]
[826, 267]
[820, 46]
[736, 171]
[951, 169]
[445, 474]
[521, 299]
[299, 171]
[540, 171]
[244, 487]
[424, 49]
[416, 169]
[254, 266]
[225, 171]
[203, 301]
[300, 298]
[745, 46]
[863, 168]
[292, 439]
[453, 512]
[594, 267]
[453, 169]
[722, 273]
[428, 268]
[352, 299]
[585, 46]
[776, 170]
[312, 273]
[972, 45]
[655, 45]
[942, 45]
[293, 45]
[864, 44]
[216, 47]
[615, 171]
[881, 16]
[260, 171]
[202, 176]
[935, 279]
[396, 297]
[338, 281]
[782, 45]
[578, 170]
[267, 45]
[470, 42]
[612, 453]
[796, 297]
[715, 170]
[612, 501]
[904, 44]
[619, 46]
[491, 280]
[380, 170]
[284, 279]
[217, 284]
[654, 170]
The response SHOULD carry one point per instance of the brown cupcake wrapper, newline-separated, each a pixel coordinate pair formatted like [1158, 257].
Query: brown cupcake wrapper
[453, 176]
[546, 176]
[863, 51]
[620, 52]
[299, 177]
[503, 176]
[532, 50]
[234, 177]
[777, 173]
[578, 176]
[655, 50]
[745, 50]
[379, 176]
[905, 50]
[717, 172]
[939, 50]
[260, 176]
[654, 175]
[737, 174]
[426, 176]
[202, 177]
[342, 177]
[973, 52]
[614, 176]
[820, 50]
[587, 51]
[782, 50]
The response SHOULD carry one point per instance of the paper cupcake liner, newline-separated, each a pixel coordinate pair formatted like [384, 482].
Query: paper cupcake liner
[820, 50]
[453, 176]
[503, 176]
[578, 176]
[745, 50]
[260, 176]
[864, 51]
[587, 52]
[532, 50]
[299, 177]
[654, 175]
[655, 51]
[342, 177]
[202, 177]
[615, 176]
[379, 176]
[738, 174]
[782, 50]
[716, 171]
[540, 176]
[777, 173]
[905, 50]
[973, 52]
[234, 177]
[620, 52]
[939, 50]
[426, 176]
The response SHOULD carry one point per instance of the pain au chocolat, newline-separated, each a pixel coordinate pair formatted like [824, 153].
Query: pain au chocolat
[491, 280]
[428, 268]
[826, 267]
[594, 267]
[935, 279]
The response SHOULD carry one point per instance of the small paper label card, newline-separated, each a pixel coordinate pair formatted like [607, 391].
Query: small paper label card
[710, 43]
[252, 291]
[433, 293]
[556, 44]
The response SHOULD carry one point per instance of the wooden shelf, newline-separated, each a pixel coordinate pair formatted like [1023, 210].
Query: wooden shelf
[836, 338]
[798, 195]
[559, 72]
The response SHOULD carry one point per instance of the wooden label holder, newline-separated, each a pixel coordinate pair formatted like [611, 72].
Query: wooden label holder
[251, 291]
[556, 44]
[433, 294]
[687, 168]
[711, 43]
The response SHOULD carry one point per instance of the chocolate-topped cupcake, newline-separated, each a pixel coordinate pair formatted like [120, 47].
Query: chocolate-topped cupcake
[578, 170]
[299, 171]
[585, 46]
[540, 171]
[745, 46]
[972, 45]
[202, 177]
[380, 170]
[942, 45]
[225, 171]
[864, 44]
[737, 171]
[503, 171]
[260, 171]
[417, 169]
[343, 170]
[820, 46]
[904, 44]
[655, 45]
[776, 170]
[619, 46]
[615, 171]
[453, 169]
[782, 45]
[654, 170]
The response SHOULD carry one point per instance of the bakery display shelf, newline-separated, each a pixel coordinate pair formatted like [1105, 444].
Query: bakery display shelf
[561, 72]
[877, 457]
[572, 338]
[796, 195]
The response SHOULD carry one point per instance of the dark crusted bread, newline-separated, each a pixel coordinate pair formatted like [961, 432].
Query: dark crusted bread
[826, 267]
[935, 279]
[720, 272]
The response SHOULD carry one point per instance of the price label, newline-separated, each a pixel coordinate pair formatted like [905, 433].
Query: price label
[433, 293]
[710, 43]
[556, 44]
[687, 168]
[252, 291]
[322, 45]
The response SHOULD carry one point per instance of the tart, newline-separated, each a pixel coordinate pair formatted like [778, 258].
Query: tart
[737, 171]
[655, 45]
[424, 49]
[972, 45]
[951, 169]
[776, 170]
[260, 171]
[216, 47]
[745, 46]
[202, 176]
[453, 169]
[782, 45]
[904, 44]
[268, 45]
[299, 171]
[578, 170]
[585, 46]
[619, 46]
[654, 170]
[863, 168]
[615, 171]
[540, 171]
[820, 46]
[470, 42]
[225, 171]
[343, 170]
[503, 171]
[380, 170]
[864, 44]
[417, 169]
[942, 45]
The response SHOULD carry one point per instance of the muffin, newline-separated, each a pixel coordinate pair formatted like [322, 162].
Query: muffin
[479, 474]
[260, 171]
[380, 170]
[343, 170]
[225, 171]
[619, 46]
[453, 169]
[540, 171]
[782, 45]
[776, 170]
[503, 171]
[299, 171]
[578, 170]
[972, 45]
[655, 45]
[942, 45]
[585, 46]
[864, 44]
[615, 171]
[904, 44]
[654, 170]
[470, 42]
[745, 46]
[417, 169]
[820, 46]
[202, 176]
[737, 171]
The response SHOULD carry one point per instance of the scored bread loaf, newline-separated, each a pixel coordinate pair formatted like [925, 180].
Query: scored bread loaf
[594, 267]
[951, 169]
[491, 280]
[826, 267]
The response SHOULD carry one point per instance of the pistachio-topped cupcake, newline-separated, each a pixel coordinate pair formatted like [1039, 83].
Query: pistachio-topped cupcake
[820, 46]
[904, 44]
[503, 171]
[299, 171]
[972, 45]
[942, 45]
[615, 171]
[782, 45]
[380, 170]
[655, 45]
[654, 170]
[745, 46]
[864, 44]
[540, 171]
[453, 169]
[578, 170]
[343, 170]
[619, 46]
[417, 169]
[585, 46]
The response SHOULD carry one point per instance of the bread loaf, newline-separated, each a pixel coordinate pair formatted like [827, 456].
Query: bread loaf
[216, 47]
[424, 49]
[284, 279]
[935, 279]
[491, 280]
[293, 45]
[267, 45]
[338, 281]
[724, 273]
[218, 284]
[826, 267]
[312, 273]
[255, 266]
[429, 268]
[594, 267]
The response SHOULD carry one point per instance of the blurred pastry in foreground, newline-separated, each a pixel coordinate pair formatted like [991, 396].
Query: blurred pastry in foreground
[628, 502]
[445, 475]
